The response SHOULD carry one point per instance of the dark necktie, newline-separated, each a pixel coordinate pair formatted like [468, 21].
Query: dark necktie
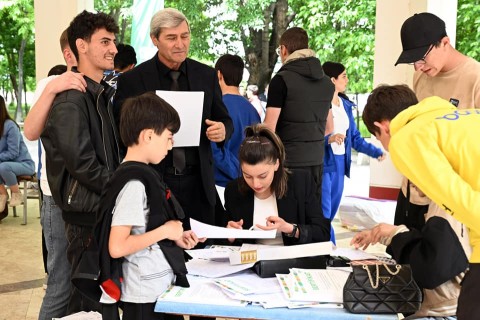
[178, 153]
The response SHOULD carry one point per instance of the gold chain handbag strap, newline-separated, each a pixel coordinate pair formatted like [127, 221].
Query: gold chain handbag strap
[375, 286]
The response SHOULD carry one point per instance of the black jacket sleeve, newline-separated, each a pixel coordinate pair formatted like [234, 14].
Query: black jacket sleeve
[434, 253]
[67, 127]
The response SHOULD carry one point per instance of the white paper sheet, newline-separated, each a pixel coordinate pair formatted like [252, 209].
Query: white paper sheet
[253, 252]
[214, 269]
[212, 232]
[214, 253]
[353, 254]
[189, 105]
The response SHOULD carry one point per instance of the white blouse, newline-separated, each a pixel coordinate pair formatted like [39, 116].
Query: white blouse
[262, 209]
[340, 125]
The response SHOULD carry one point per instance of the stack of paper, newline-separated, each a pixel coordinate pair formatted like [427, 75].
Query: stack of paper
[247, 286]
[200, 291]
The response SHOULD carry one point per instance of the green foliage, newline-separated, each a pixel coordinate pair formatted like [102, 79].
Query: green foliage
[121, 11]
[468, 28]
[362, 128]
[341, 31]
[203, 24]
[17, 62]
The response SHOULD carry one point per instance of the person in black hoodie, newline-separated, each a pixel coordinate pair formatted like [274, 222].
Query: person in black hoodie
[298, 104]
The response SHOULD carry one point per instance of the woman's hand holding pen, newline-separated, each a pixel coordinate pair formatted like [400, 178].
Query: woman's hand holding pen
[234, 225]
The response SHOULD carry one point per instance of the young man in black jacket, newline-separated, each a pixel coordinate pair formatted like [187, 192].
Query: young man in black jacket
[80, 138]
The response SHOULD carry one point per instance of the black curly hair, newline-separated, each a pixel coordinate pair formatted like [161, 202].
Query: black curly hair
[84, 25]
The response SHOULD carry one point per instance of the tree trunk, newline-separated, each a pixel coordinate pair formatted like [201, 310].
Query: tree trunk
[19, 110]
[260, 51]
[14, 92]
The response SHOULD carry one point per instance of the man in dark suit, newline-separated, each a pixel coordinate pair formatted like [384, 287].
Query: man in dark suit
[187, 171]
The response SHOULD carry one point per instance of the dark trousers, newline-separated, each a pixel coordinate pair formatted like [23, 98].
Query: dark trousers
[145, 311]
[188, 189]
[317, 174]
[468, 306]
[78, 238]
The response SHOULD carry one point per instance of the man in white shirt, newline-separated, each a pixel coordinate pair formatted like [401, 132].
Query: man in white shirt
[55, 301]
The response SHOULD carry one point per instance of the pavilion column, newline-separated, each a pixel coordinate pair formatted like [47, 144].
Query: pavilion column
[51, 18]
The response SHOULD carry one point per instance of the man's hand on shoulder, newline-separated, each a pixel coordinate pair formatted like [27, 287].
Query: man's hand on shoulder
[67, 81]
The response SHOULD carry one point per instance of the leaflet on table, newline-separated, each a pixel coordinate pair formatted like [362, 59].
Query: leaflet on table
[247, 286]
[248, 283]
[200, 291]
[250, 253]
[203, 230]
[315, 285]
[286, 283]
[189, 105]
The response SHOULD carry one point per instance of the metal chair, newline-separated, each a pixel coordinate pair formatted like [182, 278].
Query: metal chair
[23, 184]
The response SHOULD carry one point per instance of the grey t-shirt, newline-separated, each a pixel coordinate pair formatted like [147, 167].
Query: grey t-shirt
[146, 273]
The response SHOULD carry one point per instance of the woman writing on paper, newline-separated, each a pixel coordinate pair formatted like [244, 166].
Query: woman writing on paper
[267, 196]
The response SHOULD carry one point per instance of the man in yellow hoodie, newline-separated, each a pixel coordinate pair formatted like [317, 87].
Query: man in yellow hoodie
[434, 145]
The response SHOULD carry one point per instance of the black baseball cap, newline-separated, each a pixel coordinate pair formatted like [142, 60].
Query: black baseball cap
[418, 33]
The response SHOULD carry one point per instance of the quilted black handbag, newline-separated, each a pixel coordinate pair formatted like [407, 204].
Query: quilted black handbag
[381, 289]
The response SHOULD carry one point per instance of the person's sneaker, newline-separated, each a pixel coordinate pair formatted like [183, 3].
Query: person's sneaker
[16, 200]
[3, 202]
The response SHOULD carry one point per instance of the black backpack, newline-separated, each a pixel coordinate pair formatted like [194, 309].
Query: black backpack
[97, 272]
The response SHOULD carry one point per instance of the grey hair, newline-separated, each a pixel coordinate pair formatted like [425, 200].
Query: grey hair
[166, 18]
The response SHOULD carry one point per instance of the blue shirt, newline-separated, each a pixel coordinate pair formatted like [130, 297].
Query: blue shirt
[243, 114]
[12, 146]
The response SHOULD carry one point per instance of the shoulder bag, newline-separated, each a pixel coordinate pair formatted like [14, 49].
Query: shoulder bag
[381, 289]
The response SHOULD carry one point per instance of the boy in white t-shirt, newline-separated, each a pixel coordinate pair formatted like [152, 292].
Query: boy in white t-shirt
[146, 229]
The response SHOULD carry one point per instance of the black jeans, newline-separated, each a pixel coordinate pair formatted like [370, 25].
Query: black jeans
[145, 311]
[189, 191]
[78, 238]
[468, 306]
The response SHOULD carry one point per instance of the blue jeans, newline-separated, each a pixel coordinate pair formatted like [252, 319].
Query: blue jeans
[10, 170]
[55, 301]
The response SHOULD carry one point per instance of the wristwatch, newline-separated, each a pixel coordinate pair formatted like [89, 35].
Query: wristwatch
[294, 231]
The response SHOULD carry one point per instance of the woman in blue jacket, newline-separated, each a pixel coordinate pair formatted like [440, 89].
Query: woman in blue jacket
[14, 159]
[339, 144]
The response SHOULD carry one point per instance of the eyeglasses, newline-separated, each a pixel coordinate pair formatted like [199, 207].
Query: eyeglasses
[277, 51]
[422, 61]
